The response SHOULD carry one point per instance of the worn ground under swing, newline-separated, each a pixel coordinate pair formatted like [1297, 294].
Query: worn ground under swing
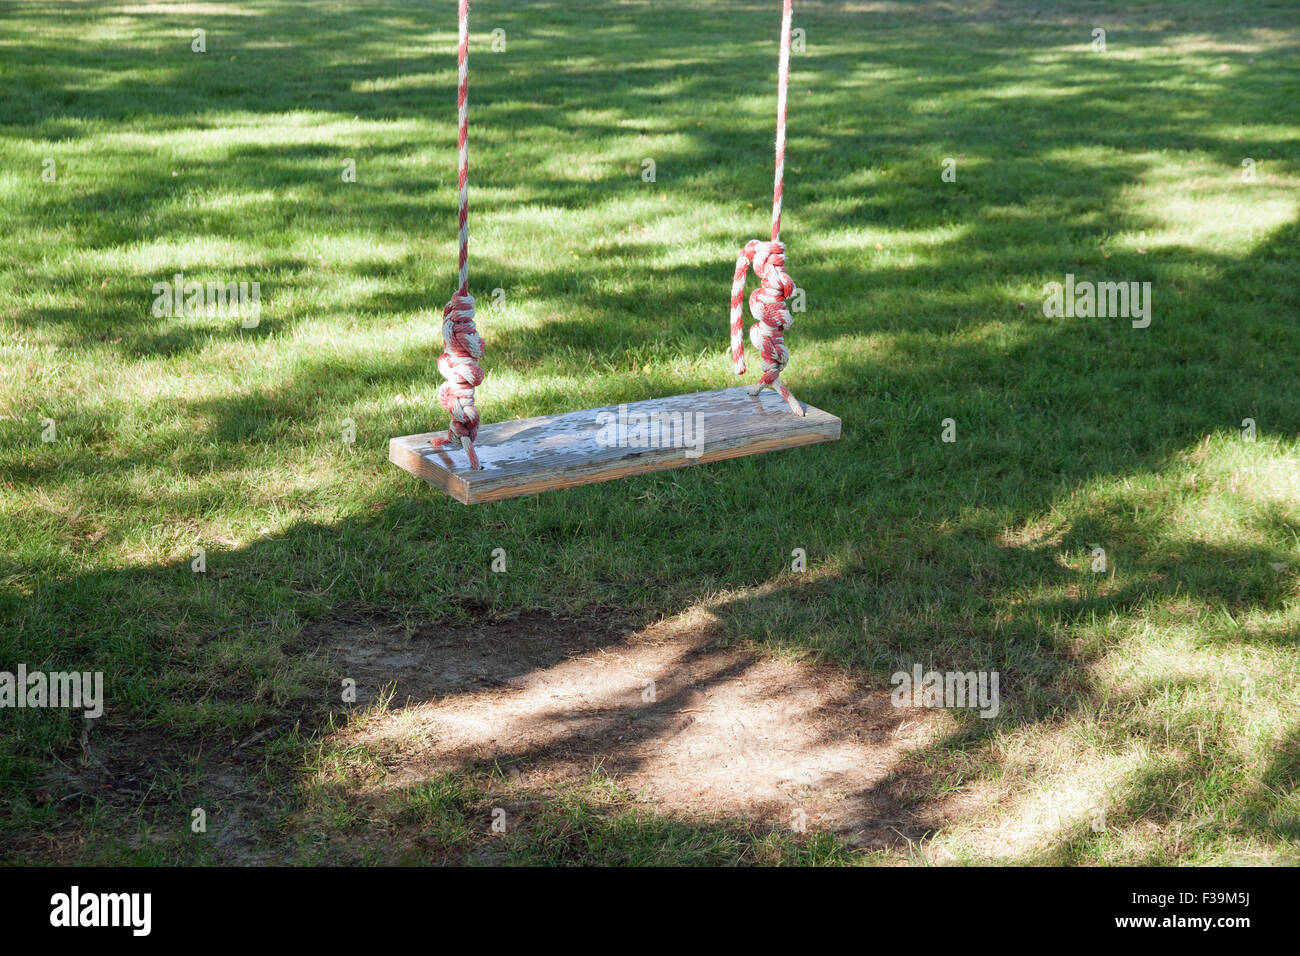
[694, 727]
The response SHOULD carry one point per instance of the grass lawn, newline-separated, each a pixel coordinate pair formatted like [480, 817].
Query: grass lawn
[1161, 693]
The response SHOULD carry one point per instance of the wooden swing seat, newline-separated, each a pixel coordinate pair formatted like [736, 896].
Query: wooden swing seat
[532, 455]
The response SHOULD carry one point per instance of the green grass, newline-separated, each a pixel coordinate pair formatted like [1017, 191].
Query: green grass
[1165, 689]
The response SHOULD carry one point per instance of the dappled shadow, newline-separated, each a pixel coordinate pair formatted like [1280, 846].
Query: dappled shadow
[943, 571]
[690, 725]
[887, 129]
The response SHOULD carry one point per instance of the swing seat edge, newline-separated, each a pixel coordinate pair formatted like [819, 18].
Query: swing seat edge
[550, 452]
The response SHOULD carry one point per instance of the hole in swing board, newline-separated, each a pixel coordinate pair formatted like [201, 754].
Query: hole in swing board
[531, 455]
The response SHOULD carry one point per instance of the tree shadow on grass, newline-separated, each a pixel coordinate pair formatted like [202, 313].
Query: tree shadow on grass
[214, 682]
[1046, 409]
[893, 130]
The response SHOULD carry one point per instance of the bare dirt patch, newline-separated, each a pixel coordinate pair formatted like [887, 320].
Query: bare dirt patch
[143, 785]
[695, 727]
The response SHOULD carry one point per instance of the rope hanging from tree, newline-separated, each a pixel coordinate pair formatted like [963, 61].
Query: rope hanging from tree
[767, 303]
[462, 347]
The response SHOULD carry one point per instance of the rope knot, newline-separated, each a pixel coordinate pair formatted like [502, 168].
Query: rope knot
[462, 348]
[772, 317]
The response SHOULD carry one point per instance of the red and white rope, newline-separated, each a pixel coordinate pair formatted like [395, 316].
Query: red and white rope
[782, 94]
[767, 303]
[462, 347]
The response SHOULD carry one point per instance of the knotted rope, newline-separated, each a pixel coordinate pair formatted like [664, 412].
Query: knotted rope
[462, 347]
[767, 303]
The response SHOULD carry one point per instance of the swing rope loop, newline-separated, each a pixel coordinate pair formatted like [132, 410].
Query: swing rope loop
[462, 346]
[767, 303]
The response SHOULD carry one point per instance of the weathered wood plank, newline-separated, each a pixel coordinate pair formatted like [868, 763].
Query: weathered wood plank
[531, 455]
